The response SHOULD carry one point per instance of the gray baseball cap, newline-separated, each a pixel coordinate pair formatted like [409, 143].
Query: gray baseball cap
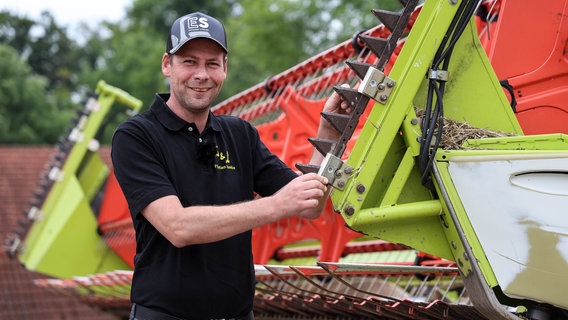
[192, 26]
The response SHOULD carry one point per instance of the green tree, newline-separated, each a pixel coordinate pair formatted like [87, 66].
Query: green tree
[28, 114]
[158, 16]
[45, 46]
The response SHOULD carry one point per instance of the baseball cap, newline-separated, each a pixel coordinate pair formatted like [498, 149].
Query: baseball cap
[192, 26]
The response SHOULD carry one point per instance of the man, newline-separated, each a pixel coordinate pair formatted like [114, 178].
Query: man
[190, 179]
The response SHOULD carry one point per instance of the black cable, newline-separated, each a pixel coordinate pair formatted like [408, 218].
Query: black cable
[427, 132]
[434, 117]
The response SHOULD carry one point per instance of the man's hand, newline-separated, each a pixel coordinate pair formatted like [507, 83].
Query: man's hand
[303, 196]
[334, 104]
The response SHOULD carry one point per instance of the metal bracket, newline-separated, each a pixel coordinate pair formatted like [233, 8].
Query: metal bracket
[440, 75]
[376, 85]
[336, 171]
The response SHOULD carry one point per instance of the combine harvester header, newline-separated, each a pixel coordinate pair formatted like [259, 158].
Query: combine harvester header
[450, 178]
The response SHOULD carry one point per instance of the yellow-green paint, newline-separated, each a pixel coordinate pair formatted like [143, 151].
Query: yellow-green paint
[63, 241]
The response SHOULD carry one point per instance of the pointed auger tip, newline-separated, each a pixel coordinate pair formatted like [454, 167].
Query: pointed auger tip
[307, 168]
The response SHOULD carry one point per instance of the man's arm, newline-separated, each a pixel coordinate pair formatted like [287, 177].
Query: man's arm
[203, 224]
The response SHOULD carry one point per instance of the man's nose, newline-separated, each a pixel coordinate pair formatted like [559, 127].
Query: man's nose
[201, 72]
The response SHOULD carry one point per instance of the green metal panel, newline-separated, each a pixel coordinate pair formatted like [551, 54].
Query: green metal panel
[92, 175]
[69, 245]
[63, 240]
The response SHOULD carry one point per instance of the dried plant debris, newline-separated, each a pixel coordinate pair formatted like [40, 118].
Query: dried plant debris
[455, 133]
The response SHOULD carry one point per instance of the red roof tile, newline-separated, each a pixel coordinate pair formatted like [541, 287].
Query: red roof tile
[20, 298]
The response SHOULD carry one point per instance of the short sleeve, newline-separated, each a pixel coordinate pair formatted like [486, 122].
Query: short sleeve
[138, 166]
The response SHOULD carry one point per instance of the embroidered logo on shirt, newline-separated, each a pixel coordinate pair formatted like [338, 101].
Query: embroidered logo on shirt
[223, 160]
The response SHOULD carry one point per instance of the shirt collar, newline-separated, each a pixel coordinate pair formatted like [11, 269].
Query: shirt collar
[171, 121]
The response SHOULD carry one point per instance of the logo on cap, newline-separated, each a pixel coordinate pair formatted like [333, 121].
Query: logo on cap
[195, 25]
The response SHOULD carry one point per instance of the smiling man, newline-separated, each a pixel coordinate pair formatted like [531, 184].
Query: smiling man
[191, 178]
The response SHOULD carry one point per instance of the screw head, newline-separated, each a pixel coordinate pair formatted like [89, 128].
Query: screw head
[349, 210]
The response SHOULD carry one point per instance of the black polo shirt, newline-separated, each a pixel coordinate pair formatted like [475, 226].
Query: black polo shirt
[156, 154]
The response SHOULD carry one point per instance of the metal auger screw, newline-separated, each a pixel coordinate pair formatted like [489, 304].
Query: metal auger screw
[349, 210]
[361, 188]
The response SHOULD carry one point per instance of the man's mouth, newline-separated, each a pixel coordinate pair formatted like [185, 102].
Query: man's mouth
[200, 89]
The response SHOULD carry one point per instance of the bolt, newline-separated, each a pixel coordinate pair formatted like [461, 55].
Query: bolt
[383, 97]
[465, 256]
[414, 121]
[348, 170]
[454, 245]
[349, 210]
[338, 173]
[390, 84]
[453, 1]
[382, 86]
[460, 262]
[361, 188]
[341, 184]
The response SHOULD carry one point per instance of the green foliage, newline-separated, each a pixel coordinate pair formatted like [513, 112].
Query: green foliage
[48, 71]
[158, 16]
[27, 113]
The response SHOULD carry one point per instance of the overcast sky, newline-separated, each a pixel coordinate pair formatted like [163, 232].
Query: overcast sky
[69, 12]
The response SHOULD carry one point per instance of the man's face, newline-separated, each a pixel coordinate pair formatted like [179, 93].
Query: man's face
[197, 72]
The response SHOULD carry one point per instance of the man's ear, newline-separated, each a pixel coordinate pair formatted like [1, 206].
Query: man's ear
[166, 64]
